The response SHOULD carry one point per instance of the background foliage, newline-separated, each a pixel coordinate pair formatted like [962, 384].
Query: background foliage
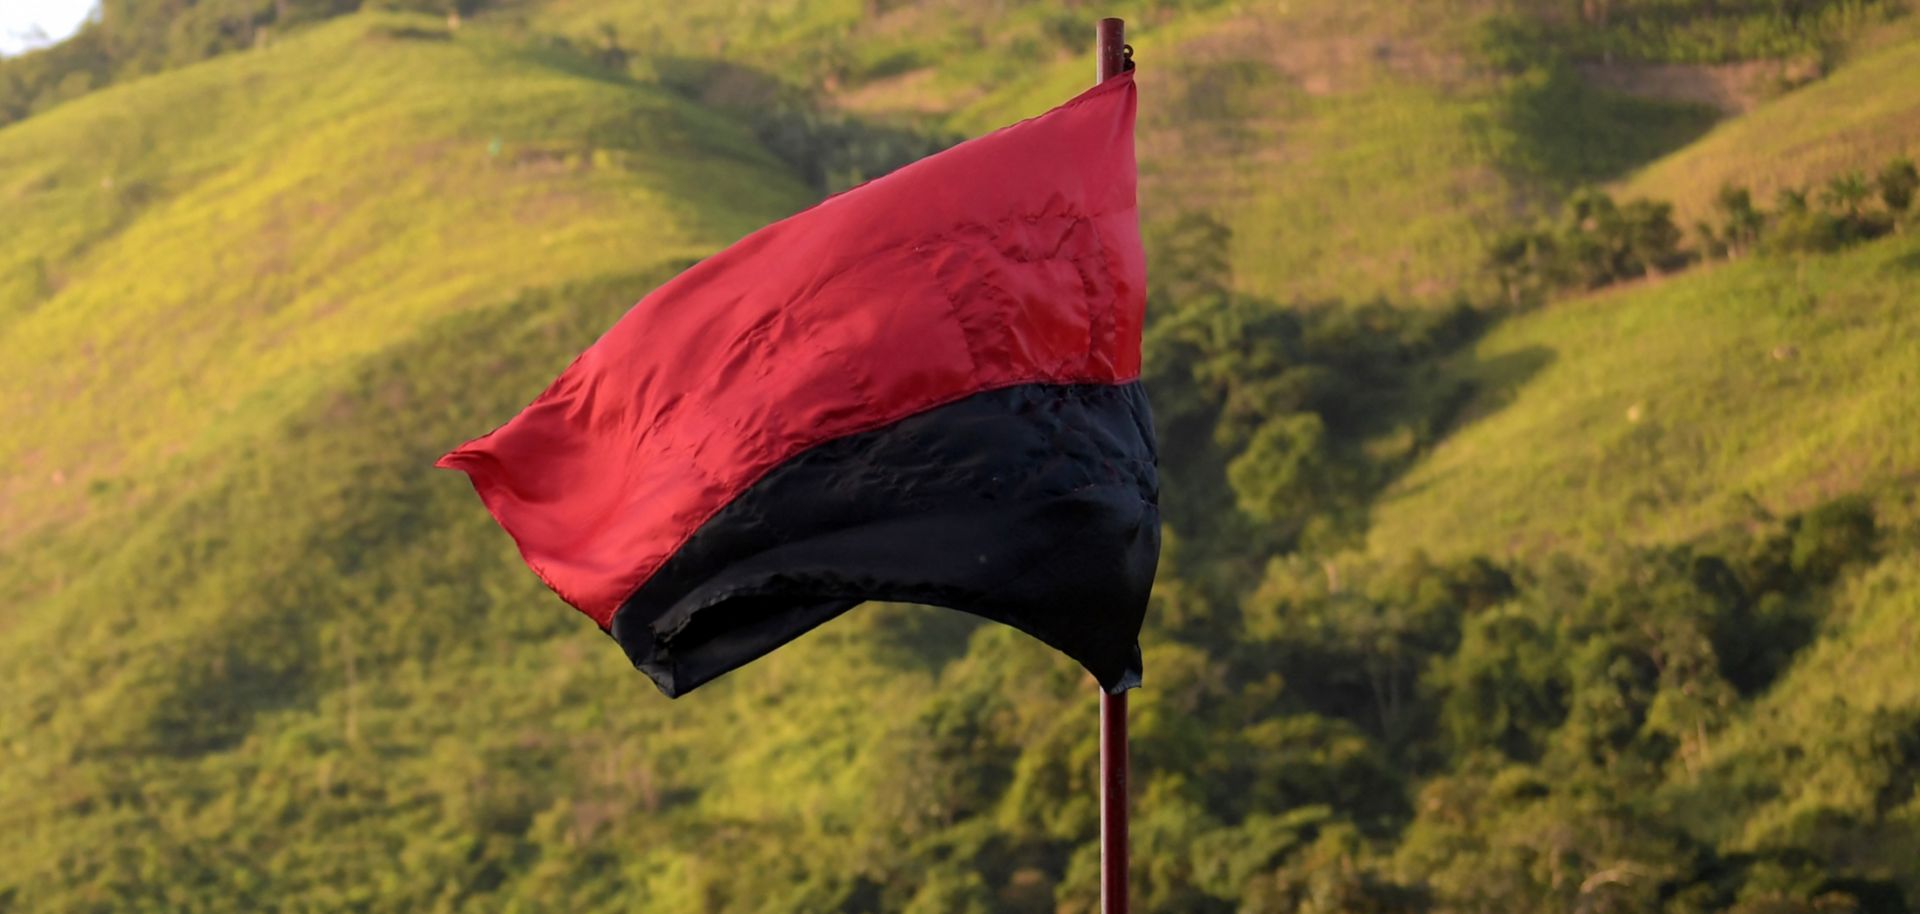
[1535, 380]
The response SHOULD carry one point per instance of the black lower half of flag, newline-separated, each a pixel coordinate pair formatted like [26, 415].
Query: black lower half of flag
[1034, 505]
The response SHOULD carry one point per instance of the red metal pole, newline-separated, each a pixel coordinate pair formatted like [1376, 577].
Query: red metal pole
[1112, 60]
[1113, 803]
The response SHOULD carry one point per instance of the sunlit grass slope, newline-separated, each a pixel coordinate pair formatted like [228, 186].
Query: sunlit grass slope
[188, 256]
[1656, 412]
[1864, 114]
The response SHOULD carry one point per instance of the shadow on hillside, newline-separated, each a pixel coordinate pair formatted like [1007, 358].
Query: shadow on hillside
[1495, 382]
[1486, 386]
[1474, 389]
[831, 149]
[579, 59]
[1552, 124]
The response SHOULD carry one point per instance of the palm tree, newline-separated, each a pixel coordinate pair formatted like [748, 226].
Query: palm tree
[1741, 222]
[1791, 200]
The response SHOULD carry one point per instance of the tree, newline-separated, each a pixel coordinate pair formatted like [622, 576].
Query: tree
[1191, 260]
[1799, 228]
[1593, 239]
[1846, 192]
[1897, 184]
[1651, 240]
[1740, 221]
[951, 891]
[1791, 200]
[1522, 262]
[1284, 472]
[1505, 687]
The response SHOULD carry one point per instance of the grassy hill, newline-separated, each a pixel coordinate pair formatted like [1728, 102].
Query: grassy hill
[1606, 604]
[232, 233]
[1654, 413]
[1862, 115]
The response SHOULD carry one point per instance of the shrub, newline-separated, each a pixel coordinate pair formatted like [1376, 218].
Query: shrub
[1808, 231]
[1597, 242]
[1897, 184]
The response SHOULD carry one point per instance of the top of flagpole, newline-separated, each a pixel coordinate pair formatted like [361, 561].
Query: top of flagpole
[1114, 56]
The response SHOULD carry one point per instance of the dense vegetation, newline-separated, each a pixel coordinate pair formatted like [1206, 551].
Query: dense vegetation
[1597, 241]
[1484, 590]
[1711, 31]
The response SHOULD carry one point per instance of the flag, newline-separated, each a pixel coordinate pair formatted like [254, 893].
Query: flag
[925, 389]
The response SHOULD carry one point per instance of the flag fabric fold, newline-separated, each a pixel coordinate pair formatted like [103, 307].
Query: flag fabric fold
[925, 389]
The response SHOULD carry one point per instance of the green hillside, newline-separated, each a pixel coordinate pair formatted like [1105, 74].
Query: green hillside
[1656, 413]
[1596, 600]
[1356, 149]
[214, 244]
[1857, 118]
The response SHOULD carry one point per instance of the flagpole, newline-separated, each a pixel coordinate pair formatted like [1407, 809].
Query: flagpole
[1112, 55]
[1113, 803]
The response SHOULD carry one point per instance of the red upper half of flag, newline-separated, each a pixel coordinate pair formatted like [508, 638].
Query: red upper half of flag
[1010, 259]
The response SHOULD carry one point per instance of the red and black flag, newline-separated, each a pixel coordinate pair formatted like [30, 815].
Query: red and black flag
[924, 390]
